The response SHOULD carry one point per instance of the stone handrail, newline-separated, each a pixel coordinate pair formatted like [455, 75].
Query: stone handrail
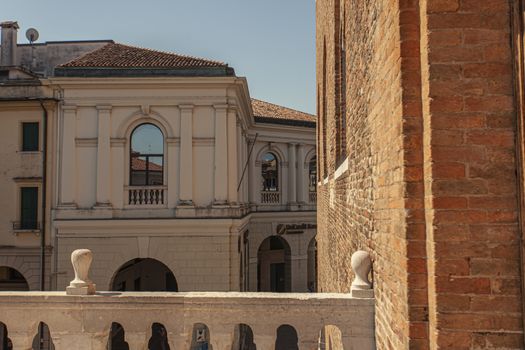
[84, 322]
[270, 197]
[146, 195]
[81, 318]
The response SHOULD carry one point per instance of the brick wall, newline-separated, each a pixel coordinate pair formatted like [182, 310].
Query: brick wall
[430, 185]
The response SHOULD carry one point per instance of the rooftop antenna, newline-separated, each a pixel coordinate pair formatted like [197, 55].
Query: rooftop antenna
[32, 36]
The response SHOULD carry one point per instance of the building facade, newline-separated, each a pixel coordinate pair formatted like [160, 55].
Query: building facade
[159, 163]
[420, 139]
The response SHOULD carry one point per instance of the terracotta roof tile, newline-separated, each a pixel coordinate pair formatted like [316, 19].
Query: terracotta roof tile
[114, 55]
[268, 112]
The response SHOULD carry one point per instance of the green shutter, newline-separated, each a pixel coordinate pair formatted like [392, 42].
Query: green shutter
[29, 207]
[29, 137]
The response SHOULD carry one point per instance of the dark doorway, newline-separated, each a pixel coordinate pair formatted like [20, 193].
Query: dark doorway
[286, 338]
[144, 275]
[274, 266]
[117, 338]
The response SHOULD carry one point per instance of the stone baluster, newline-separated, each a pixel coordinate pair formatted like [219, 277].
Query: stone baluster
[81, 285]
[265, 343]
[361, 265]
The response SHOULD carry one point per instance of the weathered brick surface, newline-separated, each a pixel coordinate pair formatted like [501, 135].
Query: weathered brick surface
[431, 188]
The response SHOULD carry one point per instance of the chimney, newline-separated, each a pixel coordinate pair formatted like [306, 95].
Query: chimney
[8, 37]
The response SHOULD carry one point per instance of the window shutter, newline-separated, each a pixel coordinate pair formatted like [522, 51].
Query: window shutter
[29, 207]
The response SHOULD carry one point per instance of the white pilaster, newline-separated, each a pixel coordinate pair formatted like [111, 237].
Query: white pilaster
[233, 161]
[103, 156]
[186, 154]
[221, 155]
[292, 177]
[300, 174]
[253, 184]
[172, 175]
[68, 174]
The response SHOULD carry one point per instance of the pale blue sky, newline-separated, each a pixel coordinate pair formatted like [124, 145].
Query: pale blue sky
[271, 42]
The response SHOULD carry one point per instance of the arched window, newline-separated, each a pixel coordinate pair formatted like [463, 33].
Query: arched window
[270, 172]
[146, 156]
[312, 174]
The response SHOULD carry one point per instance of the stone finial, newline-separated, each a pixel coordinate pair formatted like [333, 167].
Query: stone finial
[361, 265]
[81, 285]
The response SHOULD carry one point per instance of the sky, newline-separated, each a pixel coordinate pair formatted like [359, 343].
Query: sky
[270, 42]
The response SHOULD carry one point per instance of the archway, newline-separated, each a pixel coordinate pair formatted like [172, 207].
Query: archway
[42, 340]
[12, 280]
[330, 338]
[200, 337]
[274, 266]
[144, 275]
[159, 338]
[286, 338]
[243, 338]
[5, 342]
[312, 266]
[117, 338]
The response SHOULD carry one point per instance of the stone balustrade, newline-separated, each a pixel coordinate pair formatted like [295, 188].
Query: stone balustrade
[81, 318]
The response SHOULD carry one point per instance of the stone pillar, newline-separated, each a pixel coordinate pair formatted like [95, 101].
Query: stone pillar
[292, 177]
[221, 339]
[221, 155]
[172, 176]
[232, 156]
[103, 156]
[240, 163]
[253, 183]
[68, 166]
[186, 155]
[299, 272]
[118, 199]
[300, 174]
[264, 341]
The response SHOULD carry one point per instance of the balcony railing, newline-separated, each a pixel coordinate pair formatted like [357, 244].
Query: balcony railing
[80, 320]
[312, 196]
[146, 195]
[270, 197]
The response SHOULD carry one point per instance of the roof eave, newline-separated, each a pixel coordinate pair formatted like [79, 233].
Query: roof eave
[99, 72]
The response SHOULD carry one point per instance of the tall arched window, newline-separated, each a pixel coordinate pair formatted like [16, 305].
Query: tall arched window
[270, 172]
[146, 156]
[312, 174]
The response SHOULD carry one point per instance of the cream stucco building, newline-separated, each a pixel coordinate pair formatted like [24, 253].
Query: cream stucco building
[159, 163]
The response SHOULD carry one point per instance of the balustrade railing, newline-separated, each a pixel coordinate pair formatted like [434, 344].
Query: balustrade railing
[78, 319]
[313, 197]
[146, 195]
[270, 197]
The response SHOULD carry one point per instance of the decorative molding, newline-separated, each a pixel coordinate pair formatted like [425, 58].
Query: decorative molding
[186, 107]
[145, 109]
[173, 140]
[29, 179]
[70, 108]
[117, 142]
[104, 107]
[86, 142]
[204, 141]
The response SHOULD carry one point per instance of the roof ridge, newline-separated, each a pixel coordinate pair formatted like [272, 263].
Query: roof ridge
[288, 108]
[84, 54]
[172, 53]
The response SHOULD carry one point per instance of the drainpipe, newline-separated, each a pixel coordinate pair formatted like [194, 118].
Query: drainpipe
[44, 199]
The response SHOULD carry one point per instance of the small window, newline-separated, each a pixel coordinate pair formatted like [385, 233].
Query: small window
[29, 137]
[28, 208]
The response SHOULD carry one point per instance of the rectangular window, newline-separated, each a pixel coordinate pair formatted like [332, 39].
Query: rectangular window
[29, 137]
[28, 208]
